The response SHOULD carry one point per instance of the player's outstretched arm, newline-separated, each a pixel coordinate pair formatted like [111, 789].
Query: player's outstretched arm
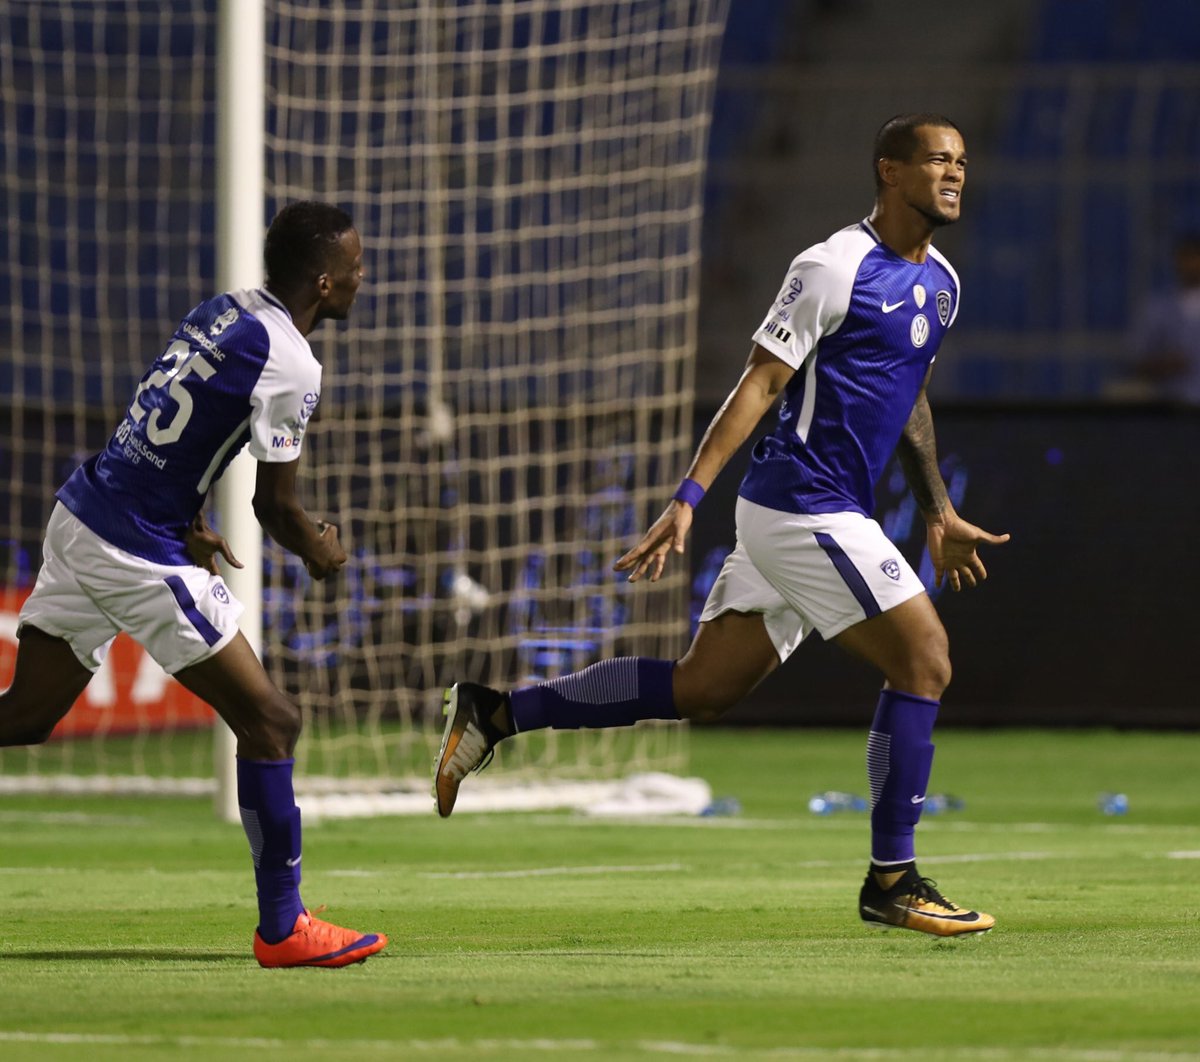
[764, 378]
[953, 542]
[283, 518]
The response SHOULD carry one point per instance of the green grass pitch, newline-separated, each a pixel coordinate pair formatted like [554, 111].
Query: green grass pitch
[126, 922]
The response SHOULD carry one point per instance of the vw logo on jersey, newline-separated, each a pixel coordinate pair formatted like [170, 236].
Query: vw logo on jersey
[919, 333]
[919, 295]
[943, 306]
[891, 569]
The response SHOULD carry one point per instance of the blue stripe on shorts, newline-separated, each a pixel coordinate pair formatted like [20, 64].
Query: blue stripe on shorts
[205, 629]
[856, 583]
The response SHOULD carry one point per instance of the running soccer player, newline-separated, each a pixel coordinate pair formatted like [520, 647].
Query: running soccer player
[849, 342]
[127, 548]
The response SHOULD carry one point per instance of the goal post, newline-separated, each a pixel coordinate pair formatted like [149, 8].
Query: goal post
[509, 403]
[241, 175]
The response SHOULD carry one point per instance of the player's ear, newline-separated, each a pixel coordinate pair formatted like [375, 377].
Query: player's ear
[888, 171]
[324, 285]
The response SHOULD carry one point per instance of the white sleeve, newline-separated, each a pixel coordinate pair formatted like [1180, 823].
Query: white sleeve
[811, 303]
[284, 398]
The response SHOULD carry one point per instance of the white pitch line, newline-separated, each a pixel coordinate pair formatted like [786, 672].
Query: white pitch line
[538, 872]
[70, 818]
[566, 1047]
[551, 872]
[704, 822]
[47, 870]
[994, 857]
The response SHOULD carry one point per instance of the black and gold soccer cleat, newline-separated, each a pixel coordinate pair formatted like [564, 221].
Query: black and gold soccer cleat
[472, 713]
[913, 902]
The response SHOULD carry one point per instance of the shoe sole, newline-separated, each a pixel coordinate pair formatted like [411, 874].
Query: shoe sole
[352, 959]
[870, 923]
[450, 711]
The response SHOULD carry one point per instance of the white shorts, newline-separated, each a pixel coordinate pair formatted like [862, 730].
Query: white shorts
[88, 591]
[822, 572]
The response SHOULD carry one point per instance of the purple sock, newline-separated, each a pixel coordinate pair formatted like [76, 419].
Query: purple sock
[272, 824]
[611, 693]
[899, 759]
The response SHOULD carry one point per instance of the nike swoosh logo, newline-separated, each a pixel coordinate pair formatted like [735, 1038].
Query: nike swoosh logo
[294, 862]
[918, 800]
[889, 307]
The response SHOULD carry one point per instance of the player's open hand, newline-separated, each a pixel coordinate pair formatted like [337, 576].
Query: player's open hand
[953, 546]
[204, 545]
[330, 555]
[667, 534]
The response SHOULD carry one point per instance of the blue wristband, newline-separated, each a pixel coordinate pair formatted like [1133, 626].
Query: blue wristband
[690, 492]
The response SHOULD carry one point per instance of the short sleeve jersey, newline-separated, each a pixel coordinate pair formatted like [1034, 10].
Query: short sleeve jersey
[236, 371]
[861, 326]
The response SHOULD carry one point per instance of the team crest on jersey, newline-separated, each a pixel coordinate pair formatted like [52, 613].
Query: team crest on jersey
[943, 307]
[919, 333]
[224, 321]
[891, 568]
[919, 295]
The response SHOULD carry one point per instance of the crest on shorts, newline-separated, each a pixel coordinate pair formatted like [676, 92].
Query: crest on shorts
[221, 594]
[891, 568]
[943, 306]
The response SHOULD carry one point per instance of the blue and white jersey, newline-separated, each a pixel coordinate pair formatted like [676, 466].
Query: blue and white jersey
[235, 371]
[861, 326]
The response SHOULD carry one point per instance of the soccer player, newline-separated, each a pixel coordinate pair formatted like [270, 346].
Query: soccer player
[849, 342]
[127, 548]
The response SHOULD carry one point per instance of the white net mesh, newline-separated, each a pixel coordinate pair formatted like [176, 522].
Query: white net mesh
[513, 393]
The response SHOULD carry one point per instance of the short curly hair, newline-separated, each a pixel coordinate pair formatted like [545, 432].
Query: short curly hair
[300, 240]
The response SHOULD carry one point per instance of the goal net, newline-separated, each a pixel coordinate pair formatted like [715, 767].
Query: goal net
[501, 416]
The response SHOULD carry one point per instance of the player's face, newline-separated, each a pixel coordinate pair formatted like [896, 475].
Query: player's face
[341, 281]
[931, 182]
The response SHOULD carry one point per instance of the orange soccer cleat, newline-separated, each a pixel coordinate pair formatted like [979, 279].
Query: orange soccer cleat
[317, 943]
[913, 902]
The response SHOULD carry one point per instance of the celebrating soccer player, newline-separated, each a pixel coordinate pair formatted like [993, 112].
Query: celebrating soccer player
[127, 548]
[850, 343]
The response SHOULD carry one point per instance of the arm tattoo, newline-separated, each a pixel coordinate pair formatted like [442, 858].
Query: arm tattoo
[917, 452]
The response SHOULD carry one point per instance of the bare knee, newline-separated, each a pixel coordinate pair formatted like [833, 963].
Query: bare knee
[272, 731]
[704, 694]
[707, 704]
[729, 656]
[926, 672]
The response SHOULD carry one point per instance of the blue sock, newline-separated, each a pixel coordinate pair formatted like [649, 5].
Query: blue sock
[272, 824]
[899, 760]
[611, 693]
